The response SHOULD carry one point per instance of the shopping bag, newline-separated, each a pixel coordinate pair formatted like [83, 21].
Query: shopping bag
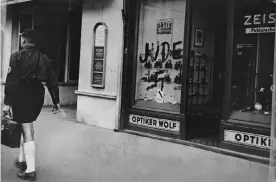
[10, 132]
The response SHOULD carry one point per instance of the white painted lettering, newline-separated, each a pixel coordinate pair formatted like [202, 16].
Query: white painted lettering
[257, 19]
[264, 18]
[272, 18]
[248, 18]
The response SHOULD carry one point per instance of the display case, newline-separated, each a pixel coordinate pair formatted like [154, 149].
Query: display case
[199, 79]
[247, 124]
[160, 84]
[158, 62]
[252, 72]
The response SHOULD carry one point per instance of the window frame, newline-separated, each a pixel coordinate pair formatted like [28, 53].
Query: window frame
[66, 76]
[134, 40]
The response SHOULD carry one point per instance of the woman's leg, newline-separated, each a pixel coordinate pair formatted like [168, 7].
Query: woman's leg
[29, 146]
[29, 150]
[21, 157]
[20, 162]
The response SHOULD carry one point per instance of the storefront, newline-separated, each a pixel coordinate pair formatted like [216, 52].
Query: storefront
[247, 121]
[58, 24]
[200, 71]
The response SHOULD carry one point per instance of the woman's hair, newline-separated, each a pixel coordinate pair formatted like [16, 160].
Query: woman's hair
[29, 35]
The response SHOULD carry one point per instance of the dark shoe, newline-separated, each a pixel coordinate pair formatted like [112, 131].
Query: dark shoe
[27, 176]
[21, 165]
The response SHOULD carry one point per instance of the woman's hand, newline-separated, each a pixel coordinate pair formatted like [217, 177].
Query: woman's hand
[7, 111]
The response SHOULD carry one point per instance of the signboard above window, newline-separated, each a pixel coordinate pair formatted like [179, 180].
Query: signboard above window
[260, 21]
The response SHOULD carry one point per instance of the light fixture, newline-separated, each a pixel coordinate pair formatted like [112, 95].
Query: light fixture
[258, 106]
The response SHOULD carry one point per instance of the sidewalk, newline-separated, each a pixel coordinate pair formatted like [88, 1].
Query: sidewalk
[68, 151]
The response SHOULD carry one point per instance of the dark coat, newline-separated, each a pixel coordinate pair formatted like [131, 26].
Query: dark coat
[27, 64]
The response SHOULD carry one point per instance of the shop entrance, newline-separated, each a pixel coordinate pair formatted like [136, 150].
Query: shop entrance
[205, 71]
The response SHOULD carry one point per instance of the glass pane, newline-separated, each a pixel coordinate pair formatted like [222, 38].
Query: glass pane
[25, 22]
[253, 61]
[75, 36]
[207, 58]
[159, 58]
[52, 41]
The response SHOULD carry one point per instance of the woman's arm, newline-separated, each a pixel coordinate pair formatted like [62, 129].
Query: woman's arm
[12, 79]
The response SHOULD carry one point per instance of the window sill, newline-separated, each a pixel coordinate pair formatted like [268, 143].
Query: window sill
[97, 95]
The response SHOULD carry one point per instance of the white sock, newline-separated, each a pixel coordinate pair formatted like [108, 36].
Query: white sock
[21, 157]
[29, 149]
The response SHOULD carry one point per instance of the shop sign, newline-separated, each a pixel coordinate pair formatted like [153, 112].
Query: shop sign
[249, 139]
[156, 123]
[260, 23]
[164, 26]
[260, 30]
[260, 19]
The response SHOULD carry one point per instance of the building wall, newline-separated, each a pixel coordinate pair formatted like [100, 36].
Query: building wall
[99, 107]
[10, 33]
[6, 28]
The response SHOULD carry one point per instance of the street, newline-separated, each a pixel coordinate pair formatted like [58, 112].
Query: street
[68, 151]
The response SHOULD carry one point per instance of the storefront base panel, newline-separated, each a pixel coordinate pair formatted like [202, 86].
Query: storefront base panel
[249, 153]
[200, 126]
[154, 132]
[246, 139]
[95, 111]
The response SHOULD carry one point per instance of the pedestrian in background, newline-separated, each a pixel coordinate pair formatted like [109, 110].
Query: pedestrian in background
[24, 97]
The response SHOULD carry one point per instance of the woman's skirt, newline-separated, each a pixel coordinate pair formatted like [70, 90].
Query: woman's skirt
[28, 101]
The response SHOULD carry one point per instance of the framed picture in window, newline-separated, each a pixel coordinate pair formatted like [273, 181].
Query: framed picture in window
[199, 37]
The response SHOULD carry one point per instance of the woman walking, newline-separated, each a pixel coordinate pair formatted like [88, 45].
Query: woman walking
[24, 97]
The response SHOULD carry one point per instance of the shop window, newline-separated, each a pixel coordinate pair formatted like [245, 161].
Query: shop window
[25, 21]
[58, 35]
[160, 55]
[252, 75]
[2, 44]
[2, 52]
[74, 45]
[52, 30]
